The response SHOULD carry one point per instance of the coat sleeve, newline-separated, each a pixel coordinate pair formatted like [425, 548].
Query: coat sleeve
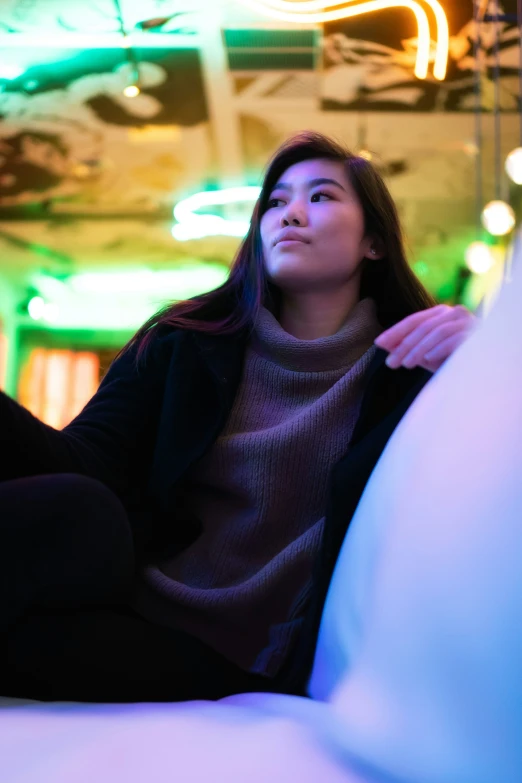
[109, 440]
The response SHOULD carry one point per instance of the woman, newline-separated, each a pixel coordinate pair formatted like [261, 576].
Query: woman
[177, 539]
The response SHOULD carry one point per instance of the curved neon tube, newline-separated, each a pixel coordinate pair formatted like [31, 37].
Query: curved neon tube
[442, 48]
[184, 210]
[192, 225]
[301, 12]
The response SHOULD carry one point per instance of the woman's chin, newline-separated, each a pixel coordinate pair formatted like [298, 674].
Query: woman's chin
[292, 270]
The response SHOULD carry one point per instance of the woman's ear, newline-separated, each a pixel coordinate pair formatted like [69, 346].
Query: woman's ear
[375, 250]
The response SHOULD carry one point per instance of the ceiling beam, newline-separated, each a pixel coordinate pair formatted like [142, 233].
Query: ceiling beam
[224, 118]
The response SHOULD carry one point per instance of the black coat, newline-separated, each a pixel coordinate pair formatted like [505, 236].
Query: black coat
[148, 423]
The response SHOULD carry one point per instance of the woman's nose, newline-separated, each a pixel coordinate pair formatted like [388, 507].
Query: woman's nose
[293, 215]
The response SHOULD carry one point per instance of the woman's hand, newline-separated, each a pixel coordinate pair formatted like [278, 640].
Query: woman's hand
[427, 338]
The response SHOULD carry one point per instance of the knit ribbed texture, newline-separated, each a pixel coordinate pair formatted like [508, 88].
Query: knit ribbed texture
[261, 493]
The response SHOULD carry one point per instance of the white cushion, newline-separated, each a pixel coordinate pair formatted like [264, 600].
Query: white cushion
[259, 738]
[420, 647]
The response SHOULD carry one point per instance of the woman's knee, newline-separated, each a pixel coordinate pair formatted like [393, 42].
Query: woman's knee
[62, 499]
[72, 531]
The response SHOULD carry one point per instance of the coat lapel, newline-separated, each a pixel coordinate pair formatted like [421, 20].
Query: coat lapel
[204, 374]
[384, 391]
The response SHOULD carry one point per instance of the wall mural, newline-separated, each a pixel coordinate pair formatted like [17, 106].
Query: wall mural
[97, 16]
[369, 62]
[68, 130]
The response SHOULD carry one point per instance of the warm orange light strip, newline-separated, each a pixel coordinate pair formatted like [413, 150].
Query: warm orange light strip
[303, 12]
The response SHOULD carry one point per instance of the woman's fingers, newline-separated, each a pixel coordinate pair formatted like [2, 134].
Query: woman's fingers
[393, 337]
[428, 338]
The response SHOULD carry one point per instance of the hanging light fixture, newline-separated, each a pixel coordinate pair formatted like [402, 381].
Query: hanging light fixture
[132, 89]
[497, 217]
[496, 112]
[513, 164]
[479, 8]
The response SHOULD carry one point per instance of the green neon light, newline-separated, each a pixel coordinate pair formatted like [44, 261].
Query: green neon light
[96, 41]
[11, 70]
[145, 282]
[117, 299]
[190, 225]
[35, 308]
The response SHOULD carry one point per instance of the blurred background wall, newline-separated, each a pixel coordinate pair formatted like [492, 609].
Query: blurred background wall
[114, 112]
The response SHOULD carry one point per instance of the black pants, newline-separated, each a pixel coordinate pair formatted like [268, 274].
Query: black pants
[66, 629]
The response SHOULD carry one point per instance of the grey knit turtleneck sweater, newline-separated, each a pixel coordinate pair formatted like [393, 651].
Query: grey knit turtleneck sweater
[261, 493]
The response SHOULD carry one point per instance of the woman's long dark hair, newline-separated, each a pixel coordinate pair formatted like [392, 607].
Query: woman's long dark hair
[234, 305]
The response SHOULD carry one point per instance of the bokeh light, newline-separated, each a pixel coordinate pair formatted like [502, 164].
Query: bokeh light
[514, 165]
[479, 258]
[498, 218]
[131, 91]
[36, 308]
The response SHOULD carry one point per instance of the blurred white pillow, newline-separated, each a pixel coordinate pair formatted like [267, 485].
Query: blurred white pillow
[420, 647]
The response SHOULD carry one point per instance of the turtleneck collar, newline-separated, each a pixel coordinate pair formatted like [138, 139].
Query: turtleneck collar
[338, 351]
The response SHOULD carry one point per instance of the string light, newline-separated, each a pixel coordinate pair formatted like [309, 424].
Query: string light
[313, 12]
[514, 165]
[479, 258]
[498, 218]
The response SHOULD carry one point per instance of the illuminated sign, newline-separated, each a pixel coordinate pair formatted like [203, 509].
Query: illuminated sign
[314, 12]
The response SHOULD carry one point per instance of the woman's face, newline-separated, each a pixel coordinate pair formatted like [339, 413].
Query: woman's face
[313, 229]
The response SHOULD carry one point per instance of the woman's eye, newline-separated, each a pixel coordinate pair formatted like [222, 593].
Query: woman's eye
[318, 196]
[274, 202]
